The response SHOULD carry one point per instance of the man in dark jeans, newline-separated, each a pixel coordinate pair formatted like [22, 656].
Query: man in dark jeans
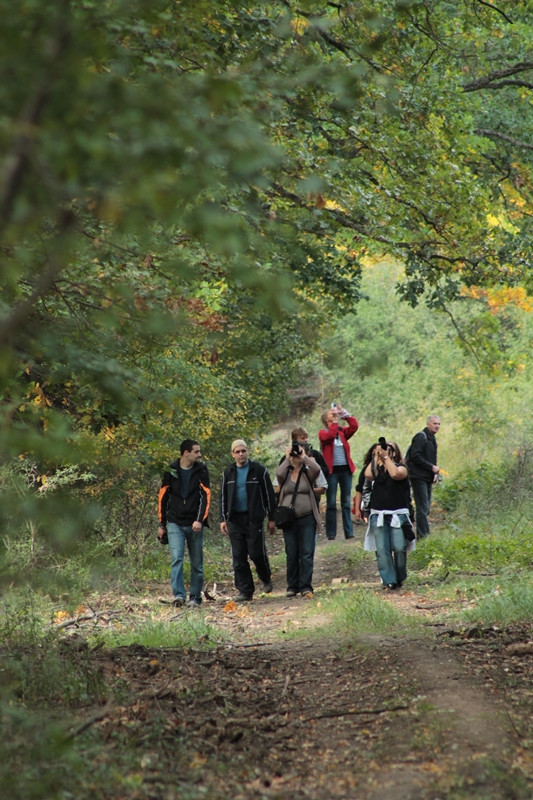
[423, 472]
[246, 498]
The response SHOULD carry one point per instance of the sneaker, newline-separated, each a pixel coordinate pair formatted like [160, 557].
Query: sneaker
[243, 598]
[267, 587]
[173, 601]
[194, 603]
[392, 586]
[307, 595]
[291, 593]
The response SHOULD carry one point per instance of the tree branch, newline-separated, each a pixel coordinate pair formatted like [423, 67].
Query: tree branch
[487, 81]
[19, 313]
[345, 713]
[489, 5]
[496, 135]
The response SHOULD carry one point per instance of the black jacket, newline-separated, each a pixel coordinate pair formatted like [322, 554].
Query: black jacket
[259, 490]
[389, 494]
[422, 456]
[184, 511]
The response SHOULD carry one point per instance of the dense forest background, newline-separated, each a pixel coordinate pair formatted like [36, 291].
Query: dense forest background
[217, 217]
[209, 211]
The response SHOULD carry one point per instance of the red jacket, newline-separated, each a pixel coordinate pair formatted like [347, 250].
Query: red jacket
[344, 432]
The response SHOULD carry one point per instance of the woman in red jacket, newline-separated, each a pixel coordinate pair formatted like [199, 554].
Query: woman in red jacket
[336, 451]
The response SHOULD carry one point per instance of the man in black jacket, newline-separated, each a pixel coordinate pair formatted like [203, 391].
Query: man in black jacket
[424, 472]
[246, 498]
[184, 500]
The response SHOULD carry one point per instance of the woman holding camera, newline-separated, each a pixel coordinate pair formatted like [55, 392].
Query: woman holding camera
[336, 451]
[296, 477]
[389, 511]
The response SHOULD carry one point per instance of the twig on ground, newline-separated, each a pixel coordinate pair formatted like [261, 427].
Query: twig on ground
[361, 711]
[100, 714]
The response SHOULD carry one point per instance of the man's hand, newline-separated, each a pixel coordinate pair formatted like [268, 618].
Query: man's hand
[271, 525]
[161, 531]
[197, 526]
[224, 528]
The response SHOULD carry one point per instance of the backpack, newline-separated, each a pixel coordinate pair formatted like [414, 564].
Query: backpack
[408, 451]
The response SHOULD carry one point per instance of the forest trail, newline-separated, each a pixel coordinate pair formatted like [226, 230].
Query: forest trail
[286, 707]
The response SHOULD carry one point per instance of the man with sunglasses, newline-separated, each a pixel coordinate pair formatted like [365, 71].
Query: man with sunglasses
[246, 498]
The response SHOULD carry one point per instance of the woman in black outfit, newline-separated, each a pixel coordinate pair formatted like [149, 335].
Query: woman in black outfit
[389, 510]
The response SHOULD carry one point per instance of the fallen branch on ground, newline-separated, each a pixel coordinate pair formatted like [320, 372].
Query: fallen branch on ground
[362, 711]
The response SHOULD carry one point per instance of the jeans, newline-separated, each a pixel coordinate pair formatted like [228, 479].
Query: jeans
[247, 539]
[391, 549]
[344, 480]
[422, 497]
[300, 551]
[177, 536]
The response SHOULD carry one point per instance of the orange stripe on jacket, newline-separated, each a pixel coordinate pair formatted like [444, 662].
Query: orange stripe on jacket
[162, 492]
[207, 491]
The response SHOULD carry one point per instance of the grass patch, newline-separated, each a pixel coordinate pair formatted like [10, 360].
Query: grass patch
[501, 602]
[188, 630]
[364, 611]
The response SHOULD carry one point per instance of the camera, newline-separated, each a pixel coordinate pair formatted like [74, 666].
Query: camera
[382, 442]
[295, 449]
[334, 405]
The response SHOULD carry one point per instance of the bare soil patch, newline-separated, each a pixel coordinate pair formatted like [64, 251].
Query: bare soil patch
[284, 708]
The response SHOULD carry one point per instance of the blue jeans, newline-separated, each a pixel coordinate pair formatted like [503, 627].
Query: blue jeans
[177, 536]
[391, 549]
[300, 551]
[344, 480]
[422, 497]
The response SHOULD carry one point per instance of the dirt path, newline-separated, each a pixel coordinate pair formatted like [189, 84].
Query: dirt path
[285, 708]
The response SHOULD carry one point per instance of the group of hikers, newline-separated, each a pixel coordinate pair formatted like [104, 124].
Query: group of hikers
[291, 502]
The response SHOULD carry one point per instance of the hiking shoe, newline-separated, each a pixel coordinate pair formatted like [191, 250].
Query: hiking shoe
[173, 601]
[194, 603]
[291, 593]
[307, 595]
[392, 586]
[243, 598]
[267, 587]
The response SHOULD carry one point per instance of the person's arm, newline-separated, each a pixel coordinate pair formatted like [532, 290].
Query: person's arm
[223, 505]
[313, 470]
[321, 484]
[270, 500]
[162, 503]
[205, 501]
[329, 434]
[398, 472]
[358, 499]
[352, 424]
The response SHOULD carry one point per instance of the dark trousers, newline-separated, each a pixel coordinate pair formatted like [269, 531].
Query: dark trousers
[300, 540]
[422, 497]
[247, 540]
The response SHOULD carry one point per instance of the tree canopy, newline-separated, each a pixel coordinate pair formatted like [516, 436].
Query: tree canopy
[189, 190]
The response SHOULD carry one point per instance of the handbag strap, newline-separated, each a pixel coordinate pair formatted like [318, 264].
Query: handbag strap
[295, 486]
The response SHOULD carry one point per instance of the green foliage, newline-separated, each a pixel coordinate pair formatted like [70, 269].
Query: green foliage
[185, 632]
[507, 603]
[362, 611]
